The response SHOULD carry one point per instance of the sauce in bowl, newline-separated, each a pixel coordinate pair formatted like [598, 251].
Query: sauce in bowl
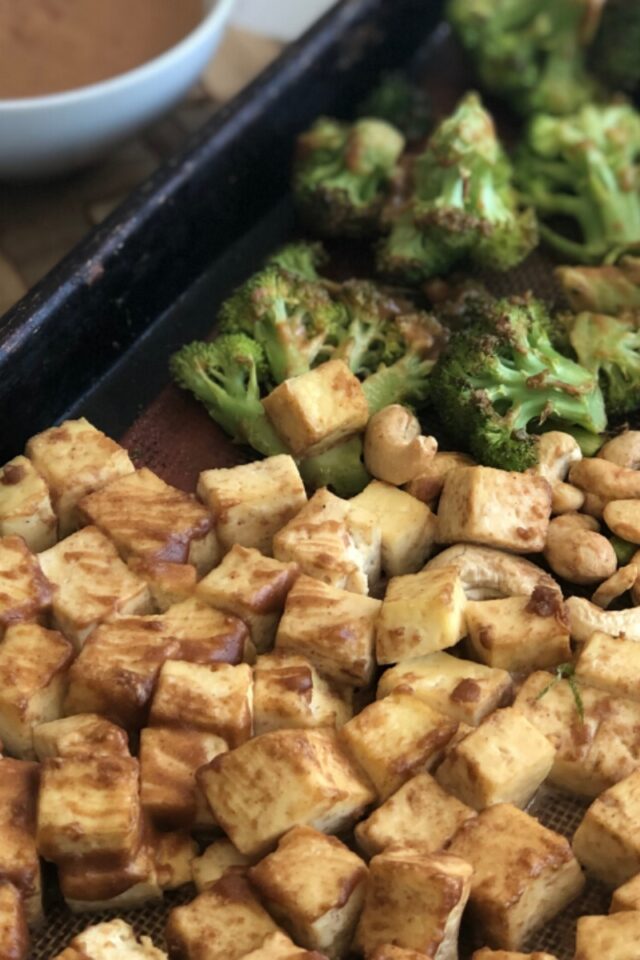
[48, 46]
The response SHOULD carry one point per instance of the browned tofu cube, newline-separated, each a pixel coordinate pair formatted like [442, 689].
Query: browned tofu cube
[494, 507]
[333, 628]
[523, 874]
[252, 587]
[25, 593]
[407, 527]
[314, 886]
[415, 900]
[25, 505]
[168, 583]
[220, 856]
[611, 664]
[206, 635]
[252, 501]
[419, 812]
[627, 896]
[278, 946]
[88, 807]
[14, 935]
[487, 954]
[74, 459]
[283, 779]
[395, 738]
[91, 584]
[19, 863]
[114, 884]
[288, 692]
[388, 951]
[145, 516]
[169, 759]
[108, 940]
[615, 937]
[81, 735]
[223, 923]
[607, 841]
[173, 854]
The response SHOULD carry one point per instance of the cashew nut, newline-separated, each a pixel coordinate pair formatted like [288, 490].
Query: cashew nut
[394, 450]
[621, 581]
[489, 574]
[623, 518]
[576, 521]
[607, 480]
[556, 452]
[586, 618]
[427, 486]
[565, 498]
[623, 450]
[576, 552]
[635, 589]
[593, 505]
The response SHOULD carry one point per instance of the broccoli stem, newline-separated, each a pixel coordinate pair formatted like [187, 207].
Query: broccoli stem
[340, 468]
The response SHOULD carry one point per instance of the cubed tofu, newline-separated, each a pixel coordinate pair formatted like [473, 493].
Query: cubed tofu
[33, 664]
[88, 807]
[407, 527]
[288, 692]
[252, 587]
[314, 887]
[611, 664]
[19, 862]
[334, 542]
[145, 516]
[118, 884]
[616, 937]
[91, 584]
[74, 459]
[317, 409]
[460, 689]
[215, 698]
[278, 946]
[280, 780]
[168, 583]
[169, 759]
[395, 738]
[25, 593]
[14, 935]
[607, 841]
[25, 505]
[111, 940]
[252, 501]
[333, 628]
[205, 635]
[223, 923]
[81, 735]
[419, 812]
[387, 951]
[504, 760]
[220, 856]
[626, 896]
[415, 900]
[523, 874]
[421, 613]
[487, 954]
[494, 507]
[173, 854]
[519, 634]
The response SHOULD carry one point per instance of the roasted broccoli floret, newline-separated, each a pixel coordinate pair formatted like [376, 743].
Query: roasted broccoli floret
[607, 289]
[615, 53]
[300, 258]
[463, 205]
[500, 376]
[341, 175]
[341, 468]
[531, 52]
[224, 375]
[609, 347]
[400, 102]
[586, 168]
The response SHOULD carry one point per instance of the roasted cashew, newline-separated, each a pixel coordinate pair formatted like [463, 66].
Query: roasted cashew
[593, 505]
[394, 450]
[489, 574]
[622, 580]
[576, 552]
[556, 452]
[565, 498]
[576, 521]
[586, 618]
[623, 450]
[605, 479]
[427, 486]
[623, 518]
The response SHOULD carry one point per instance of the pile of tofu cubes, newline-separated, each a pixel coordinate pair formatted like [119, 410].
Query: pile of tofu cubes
[327, 715]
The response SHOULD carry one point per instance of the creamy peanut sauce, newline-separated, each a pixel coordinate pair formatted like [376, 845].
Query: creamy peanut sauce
[47, 46]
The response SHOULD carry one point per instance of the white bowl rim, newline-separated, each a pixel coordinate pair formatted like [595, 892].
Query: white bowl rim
[121, 81]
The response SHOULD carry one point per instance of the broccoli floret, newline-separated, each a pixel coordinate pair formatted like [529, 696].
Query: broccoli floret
[341, 175]
[225, 376]
[609, 347]
[501, 376]
[608, 289]
[341, 468]
[614, 56]
[302, 259]
[586, 168]
[400, 102]
[463, 204]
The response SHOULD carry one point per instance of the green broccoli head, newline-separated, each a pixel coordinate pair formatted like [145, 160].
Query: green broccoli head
[341, 468]
[342, 172]
[609, 347]
[614, 53]
[301, 258]
[586, 168]
[501, 375]
[607, 289]
[401, 103]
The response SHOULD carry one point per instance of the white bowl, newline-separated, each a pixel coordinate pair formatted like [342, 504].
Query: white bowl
[48, 135]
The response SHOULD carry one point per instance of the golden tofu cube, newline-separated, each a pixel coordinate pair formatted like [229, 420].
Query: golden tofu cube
[33, 664]
[216, 698]
[421, 613]
[615, 937]
[387, 951]
[333, 628]
[611, 664]
[252, 501]
[627, 896]
[280, 780]
[205, 635]
[168, 583]
[88, 807]
[78, 736]
[108, 940]
[523, 874]
[607, 841]
[169, 759]
[419, 812]
[395, 738]
[14, 935]
[333, 541]
[25, 593]
[415, 900]
[519, 634]
[504, 760]
[25, 505]
[220, 856]
[89, 885]
[19, 862]
[252, 587]
[74, 459]
[92, 584]
[407, 527]
[316, 410]
[314, 886]
[487, 954]
[289, 693]
[173, 854]
[145, 516]
[277, 946]
[460, 689]
[223, 923]
[494, 507]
